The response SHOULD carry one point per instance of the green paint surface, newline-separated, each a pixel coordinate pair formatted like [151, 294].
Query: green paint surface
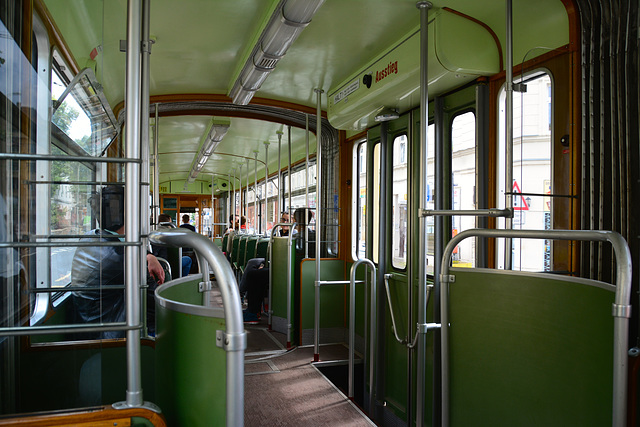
[529, 351]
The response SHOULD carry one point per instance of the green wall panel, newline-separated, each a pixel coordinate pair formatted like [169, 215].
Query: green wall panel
[529, 351]
[333, 298]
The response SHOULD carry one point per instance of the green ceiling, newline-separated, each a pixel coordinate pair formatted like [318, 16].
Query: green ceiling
[201, 45]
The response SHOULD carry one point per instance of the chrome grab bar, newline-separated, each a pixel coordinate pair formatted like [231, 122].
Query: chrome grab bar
[235, 339]
[419, 328]
[372, 325]
[621, 309]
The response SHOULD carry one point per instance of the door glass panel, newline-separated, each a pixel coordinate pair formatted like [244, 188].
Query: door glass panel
[463, 146]
[359, 227]
[375, 205]
[399, 203]
[532, 121]
[430, 197]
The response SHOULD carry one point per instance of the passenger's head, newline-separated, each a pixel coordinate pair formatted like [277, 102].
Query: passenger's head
[109, 207]
[185, 218]
[231, 219]
[284, 217]
[163, 218]
[301, 218]
[243, 220]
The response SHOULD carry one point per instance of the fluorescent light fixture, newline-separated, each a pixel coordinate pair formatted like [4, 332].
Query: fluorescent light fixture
[216, 131]
[283, 28]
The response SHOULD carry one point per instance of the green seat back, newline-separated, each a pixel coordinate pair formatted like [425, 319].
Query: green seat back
[251, 249]
[242, 248]
[262, 247]
[234, 248]
[225, 239]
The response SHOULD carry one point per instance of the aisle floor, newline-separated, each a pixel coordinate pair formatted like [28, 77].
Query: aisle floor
[284, 388]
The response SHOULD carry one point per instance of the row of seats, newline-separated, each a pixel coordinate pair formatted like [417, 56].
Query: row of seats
[245, 247]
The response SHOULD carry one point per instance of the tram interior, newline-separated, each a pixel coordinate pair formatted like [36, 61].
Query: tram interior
[441, 195]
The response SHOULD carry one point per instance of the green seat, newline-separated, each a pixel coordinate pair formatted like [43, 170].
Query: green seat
[225, 239]
[250, 251]
[262, 248]
[242, 246]
[234, 249]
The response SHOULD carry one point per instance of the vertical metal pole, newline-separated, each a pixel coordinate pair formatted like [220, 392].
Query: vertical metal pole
[240, 201]
[233, 222]
[508, 180]
[289, 167]
[246, 200]
[383, 202]
[482, 168]
[229, 201]
[144, 152]
[316, 335]
[306, 185]
[132, 203]
[424, 7]
[156, 169]
[280, 186]
[306, 169]
[289, 288]
[255, 192]
[211, 213]
[266, 187]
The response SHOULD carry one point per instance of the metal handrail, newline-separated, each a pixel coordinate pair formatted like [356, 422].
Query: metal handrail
[234, 337]
[505, 213]
[420, 328]
[621, 309]
[393, 318]
[372, 325]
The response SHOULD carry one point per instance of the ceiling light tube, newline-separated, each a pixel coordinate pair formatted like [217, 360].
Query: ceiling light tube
[284, 27]
[216, 131]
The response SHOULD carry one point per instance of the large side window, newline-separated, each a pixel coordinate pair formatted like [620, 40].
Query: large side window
[531, 172]
[463, 163]
[399, 203]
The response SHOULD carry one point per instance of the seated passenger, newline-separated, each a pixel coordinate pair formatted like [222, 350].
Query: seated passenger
[185, 223]
[230, 233]
[103, 267]
[164, 221]
[302, 217]
[284, 231]
[255, 282]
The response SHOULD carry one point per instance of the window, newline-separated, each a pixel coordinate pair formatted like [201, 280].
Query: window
[359, 208]
[430, 197]
[531, 172]
[375, 203]
[299, 193]
[463, 146]
[399, 203]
